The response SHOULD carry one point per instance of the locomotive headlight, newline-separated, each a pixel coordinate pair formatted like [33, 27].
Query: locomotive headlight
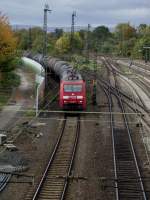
[79, 97]
[65, 97]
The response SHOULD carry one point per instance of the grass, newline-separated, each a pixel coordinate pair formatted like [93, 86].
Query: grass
[9, 80]
[30, 113]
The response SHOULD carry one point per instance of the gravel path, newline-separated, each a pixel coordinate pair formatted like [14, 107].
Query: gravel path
[20, 98]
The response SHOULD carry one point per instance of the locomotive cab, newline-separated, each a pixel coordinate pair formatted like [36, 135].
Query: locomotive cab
[72, 95]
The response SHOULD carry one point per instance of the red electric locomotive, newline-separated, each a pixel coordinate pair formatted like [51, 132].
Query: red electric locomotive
[72, 94]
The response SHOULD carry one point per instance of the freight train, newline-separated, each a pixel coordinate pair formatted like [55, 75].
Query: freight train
[72, 93]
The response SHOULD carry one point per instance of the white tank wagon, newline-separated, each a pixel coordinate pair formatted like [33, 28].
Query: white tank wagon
[38, 69]
[62, 69]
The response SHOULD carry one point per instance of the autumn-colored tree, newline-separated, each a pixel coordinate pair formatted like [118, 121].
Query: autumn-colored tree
[8, 55]
[125, 36]
[125, 31]
[7, 45]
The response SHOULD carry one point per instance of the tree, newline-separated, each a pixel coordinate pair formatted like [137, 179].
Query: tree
[33, 37]
[142, 29]
[125, 31]
[125, 36]
[83, 34]
[101, 33]
[63, 44]
[8, 43]
[138, 51]
[58, 32]
[99, 36]
[23, 39]
[33, 40]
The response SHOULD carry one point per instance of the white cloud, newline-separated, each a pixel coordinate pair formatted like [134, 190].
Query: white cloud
[88, 11]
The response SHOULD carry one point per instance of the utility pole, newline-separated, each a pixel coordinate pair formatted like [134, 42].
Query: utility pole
[46, 10]
[87, 43]
[72, 31]
[30, 39]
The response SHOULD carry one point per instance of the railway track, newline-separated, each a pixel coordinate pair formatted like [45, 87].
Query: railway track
[4, 180]
[128, 180]
[54, 182]
[136, 107]
[113, 90]
[145, 87]
[142, 113]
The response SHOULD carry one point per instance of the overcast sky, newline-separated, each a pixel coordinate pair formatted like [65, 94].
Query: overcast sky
[94, 12]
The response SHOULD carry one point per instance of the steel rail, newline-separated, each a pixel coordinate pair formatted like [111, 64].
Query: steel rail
[123, 94]
[50, 161]
[129, 134]
[65, 159]
[4, 180]
[113, 70]
[108, 94]
[137, 111]
[72, 159]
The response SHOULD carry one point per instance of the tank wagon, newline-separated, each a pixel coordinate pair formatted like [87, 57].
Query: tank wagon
[72, 93]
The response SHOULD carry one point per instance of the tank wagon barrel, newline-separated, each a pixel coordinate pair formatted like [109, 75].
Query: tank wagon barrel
[62, 69]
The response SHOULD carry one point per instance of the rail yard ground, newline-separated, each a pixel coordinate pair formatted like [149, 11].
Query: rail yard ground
[93, 171]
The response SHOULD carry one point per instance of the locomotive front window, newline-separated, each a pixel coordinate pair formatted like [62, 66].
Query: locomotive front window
[72, 88]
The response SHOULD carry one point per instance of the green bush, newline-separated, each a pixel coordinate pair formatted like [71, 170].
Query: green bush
[9, 80]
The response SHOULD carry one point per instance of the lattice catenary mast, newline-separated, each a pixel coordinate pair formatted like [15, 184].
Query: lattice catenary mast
[46, 10]
[72, 30]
